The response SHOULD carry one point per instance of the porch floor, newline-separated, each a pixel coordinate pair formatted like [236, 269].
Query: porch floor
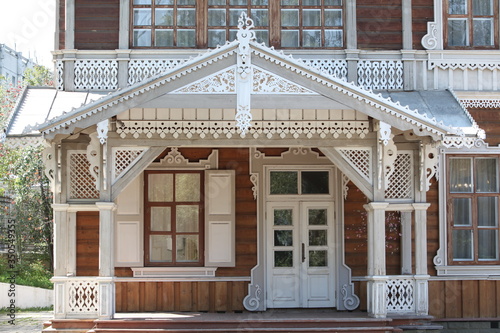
[277, 320]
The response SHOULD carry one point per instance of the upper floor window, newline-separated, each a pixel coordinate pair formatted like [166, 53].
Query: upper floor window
[472, 204]
[471, 23]
[191, 23]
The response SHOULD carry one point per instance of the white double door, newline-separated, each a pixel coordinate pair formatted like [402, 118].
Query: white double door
[300, 255]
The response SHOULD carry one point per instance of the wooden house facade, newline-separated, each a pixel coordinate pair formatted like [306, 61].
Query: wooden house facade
[246, 155]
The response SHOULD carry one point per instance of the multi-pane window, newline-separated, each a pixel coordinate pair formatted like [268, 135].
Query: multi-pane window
[209, 23]
[471, 23]
[223, 18]
[299, 182]
[311, 23]
[173, 218]
[473, 195]
[164, 23]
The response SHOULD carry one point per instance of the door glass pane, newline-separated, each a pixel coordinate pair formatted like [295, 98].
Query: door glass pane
[486, 175]
[187, 248]
[333, 2]
[216, 37]
[160, 248]
[460, 175]
[462, 244]
[283, 217]
[260, 17]
[164, 16]
[487, 210]
[260, 2]
[142, 2]
[161, 219]
[311, 38]
[186, 2]
[163, 2]
[164, 37]
[311, 2]
[457, 7]
[238, 2]
[216, 2]
[488, 244]
[318, 258]
[317, 216]
[142, 37]
[483, 32]
[317, 237]
[315, 182]
[283, 258]
[187, 218]
[289, 2]
[234, 15]
[462, 211]
[160, 187]
[187, 187]
[457, 32]
[482, 7]
[289, 38]
[262, 36]
[283, 237]
[284, 182]
[216, 17]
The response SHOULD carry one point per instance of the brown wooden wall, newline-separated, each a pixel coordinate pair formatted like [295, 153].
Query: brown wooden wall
[464, 299]
[61, 24]
[97, 24]
[87, 244]
[422, 12]
[379, 24]
[489, 120]
[213, 296]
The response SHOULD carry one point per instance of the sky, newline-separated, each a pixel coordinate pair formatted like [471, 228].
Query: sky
[28, 26]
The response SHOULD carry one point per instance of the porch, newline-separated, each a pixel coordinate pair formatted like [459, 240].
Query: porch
[277, 320]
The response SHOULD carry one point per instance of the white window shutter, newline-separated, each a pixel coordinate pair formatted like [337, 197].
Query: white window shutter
[129, 226]
[220, 218]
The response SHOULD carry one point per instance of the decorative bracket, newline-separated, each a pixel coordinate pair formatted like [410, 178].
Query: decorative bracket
[384, 131]
[102, 131]
[387, 154]
[50, 161]
[429, 165]
[94, 158]
[244, 76]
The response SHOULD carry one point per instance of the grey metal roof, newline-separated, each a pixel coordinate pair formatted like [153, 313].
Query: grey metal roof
[439, 104]
[39, 104]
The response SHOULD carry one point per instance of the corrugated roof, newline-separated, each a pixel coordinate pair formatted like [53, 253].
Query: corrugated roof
[37, 105]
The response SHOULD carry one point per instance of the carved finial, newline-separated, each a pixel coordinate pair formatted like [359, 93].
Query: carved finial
[245, 23]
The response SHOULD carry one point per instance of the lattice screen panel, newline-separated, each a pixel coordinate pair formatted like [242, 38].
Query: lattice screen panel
[83, 296]
[123, 158]
[399, 295]
[360, 159]
[401, 180]
[81, 182]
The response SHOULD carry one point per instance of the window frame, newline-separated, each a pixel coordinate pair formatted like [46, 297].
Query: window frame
[274, 25]
[469, 17]
[474, 227]
[173, 232]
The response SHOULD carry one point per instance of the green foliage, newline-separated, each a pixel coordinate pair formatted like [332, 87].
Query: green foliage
[38, 76]
[33, 273]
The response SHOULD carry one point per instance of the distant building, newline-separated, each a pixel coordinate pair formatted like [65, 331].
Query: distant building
[13, 64]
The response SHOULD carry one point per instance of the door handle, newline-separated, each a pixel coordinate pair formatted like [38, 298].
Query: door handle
[303, 252]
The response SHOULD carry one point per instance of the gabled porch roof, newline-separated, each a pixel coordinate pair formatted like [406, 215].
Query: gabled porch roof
[436, 114]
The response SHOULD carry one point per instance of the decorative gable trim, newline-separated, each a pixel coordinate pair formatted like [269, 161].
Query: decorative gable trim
[265, 82]
[222, 82]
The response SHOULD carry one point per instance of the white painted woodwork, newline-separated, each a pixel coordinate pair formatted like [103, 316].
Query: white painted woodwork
[106, 238]
[106, 299]
[421, 238]
[220, 218]
[301, 285]
[61, 241]
[406, 246]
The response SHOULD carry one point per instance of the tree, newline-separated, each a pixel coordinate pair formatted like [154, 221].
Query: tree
[24, 182]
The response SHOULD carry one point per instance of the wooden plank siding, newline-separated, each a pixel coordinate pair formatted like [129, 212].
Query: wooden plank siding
[210, 296]
[422, 12]
[379, 24]
[467, 299]
[489, 121]
[62, 24]
[87, 244]
[97, 24]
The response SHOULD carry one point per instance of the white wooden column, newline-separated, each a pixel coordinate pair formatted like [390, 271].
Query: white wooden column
[406, 256]
[377, 279]
[69, 34]
[106, 294]
[61, 241]
[421, 275]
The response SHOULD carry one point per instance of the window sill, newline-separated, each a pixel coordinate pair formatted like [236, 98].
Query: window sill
[174, 272]
[469, 270]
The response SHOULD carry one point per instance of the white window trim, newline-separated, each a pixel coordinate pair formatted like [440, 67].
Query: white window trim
[440, 261]
[174, 272]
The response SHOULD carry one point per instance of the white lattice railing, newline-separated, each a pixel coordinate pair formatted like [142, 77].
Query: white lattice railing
[96, 74]
[380, 75]
[401, 180]
[82, 296]
[140, 69]
[400, 294]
